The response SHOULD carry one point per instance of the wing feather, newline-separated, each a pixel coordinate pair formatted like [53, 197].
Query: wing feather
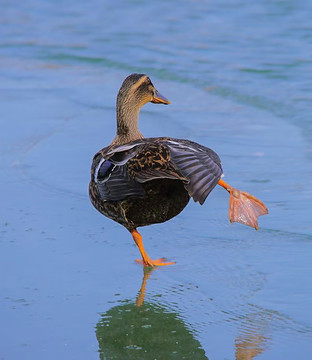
[119, 186]
[201, 166]
[154, 158]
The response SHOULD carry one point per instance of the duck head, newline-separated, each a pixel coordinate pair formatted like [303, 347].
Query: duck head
[138, 90]
[135, 91]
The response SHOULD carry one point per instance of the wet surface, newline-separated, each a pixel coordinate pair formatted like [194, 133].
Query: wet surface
[237, 80]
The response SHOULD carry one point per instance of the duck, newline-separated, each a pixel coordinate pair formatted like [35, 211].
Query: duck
[138, 181]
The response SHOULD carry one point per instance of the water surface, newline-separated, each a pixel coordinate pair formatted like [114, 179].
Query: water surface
[237, 75]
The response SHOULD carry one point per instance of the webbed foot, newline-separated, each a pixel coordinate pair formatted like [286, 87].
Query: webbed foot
[151, 263]
[244, 207]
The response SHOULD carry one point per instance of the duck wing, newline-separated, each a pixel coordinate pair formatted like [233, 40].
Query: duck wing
[112, 179]
[200, 165]
[122, 169]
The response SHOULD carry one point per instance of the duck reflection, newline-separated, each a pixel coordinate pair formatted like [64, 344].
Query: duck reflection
[144, 330]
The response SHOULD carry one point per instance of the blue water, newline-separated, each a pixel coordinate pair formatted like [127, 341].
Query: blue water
[238, 78]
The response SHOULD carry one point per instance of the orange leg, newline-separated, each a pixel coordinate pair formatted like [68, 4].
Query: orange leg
[244, 207]
[146, 261]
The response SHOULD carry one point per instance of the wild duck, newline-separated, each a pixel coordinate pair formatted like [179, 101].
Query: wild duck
[139, 181]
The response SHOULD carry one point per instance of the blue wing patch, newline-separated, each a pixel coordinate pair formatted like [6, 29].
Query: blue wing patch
[103, 171]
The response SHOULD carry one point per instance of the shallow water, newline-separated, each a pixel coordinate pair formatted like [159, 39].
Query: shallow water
[237, 75]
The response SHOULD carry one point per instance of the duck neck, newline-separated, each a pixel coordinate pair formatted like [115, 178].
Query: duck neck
[127, 123]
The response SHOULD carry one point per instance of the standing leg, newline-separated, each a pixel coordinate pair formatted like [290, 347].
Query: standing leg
[146, 261]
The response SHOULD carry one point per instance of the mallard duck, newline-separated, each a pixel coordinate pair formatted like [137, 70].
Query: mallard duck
[139, 181]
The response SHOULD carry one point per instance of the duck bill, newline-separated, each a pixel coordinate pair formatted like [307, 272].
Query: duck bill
[159, 99]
